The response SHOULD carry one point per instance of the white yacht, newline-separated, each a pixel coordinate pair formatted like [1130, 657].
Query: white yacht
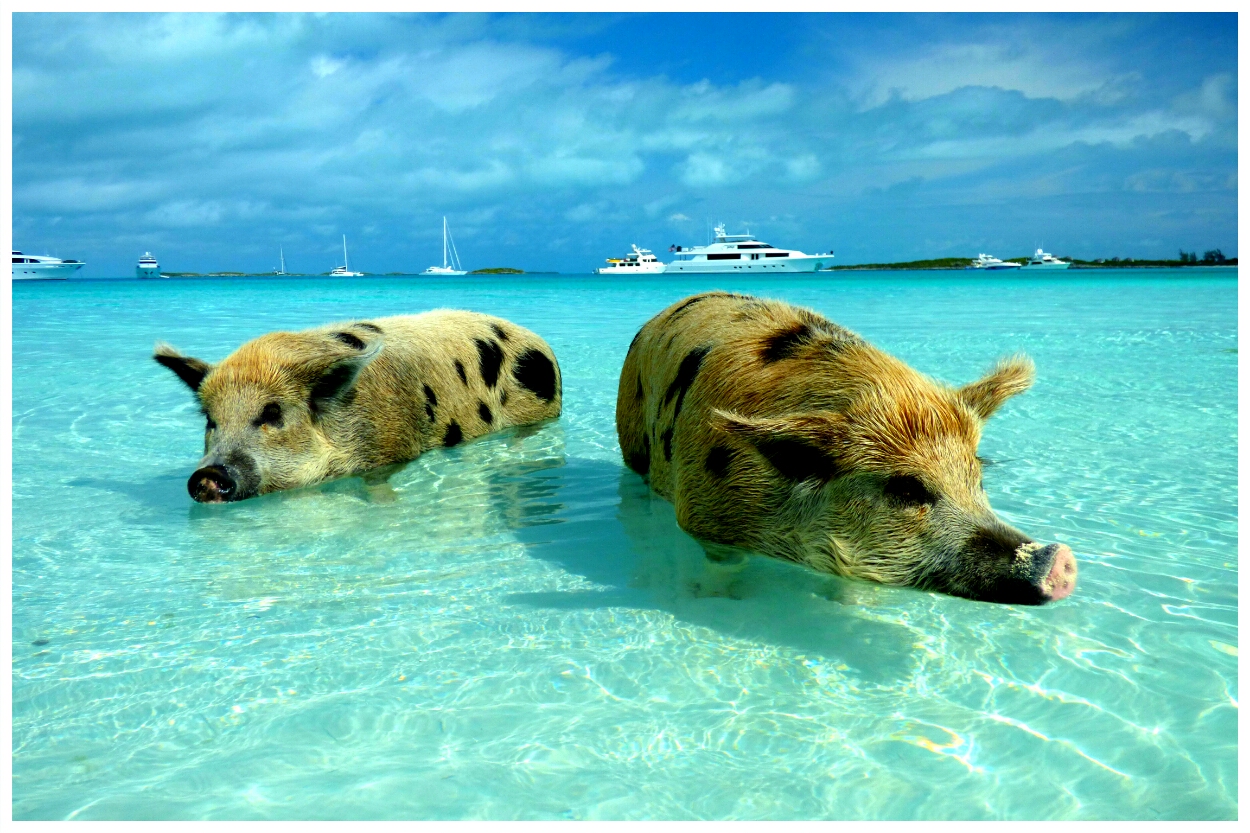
[345, 271]
[148, 267]
[991, 263]
[281, 270]
[451, 267]
[1044, 260]
[637, 262]
[729, 253]
[43, 267]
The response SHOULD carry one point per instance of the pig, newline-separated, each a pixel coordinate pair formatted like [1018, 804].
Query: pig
[290, 409]
[773, 430]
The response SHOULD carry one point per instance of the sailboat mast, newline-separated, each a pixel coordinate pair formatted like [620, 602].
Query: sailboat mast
[345, 266]
[444, 242]
[281, 261]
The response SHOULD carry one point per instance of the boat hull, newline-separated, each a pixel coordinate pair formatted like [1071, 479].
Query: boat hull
[655, 269]
[761, 266]
[439, 270]
[1045, 267]
[44, 271]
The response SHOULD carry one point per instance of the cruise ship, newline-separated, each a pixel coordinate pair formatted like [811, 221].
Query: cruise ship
[43, 267]
[729, 253]
[148, 267]
[637, 262]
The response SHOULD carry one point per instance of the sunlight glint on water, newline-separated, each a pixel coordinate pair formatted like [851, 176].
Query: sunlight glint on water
[509, 630]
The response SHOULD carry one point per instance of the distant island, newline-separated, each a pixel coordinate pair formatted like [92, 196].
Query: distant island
[499, 270]
[1212, 258]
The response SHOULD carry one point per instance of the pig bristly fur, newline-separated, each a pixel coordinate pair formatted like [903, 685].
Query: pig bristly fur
[290, 409]
[774, 430]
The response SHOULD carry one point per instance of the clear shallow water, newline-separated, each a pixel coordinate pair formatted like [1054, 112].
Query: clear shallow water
[508, 630]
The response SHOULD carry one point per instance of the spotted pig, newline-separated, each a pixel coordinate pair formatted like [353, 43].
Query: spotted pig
[290, 409]
[774, 430]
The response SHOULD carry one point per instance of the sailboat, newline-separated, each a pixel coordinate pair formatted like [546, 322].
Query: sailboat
[281, 270]
[454, 268]
[344, 271]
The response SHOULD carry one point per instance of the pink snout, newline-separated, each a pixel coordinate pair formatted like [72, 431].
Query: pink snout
[1061, 580]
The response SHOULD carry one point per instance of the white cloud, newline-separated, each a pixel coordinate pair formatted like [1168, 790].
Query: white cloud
[1034, 70]
[323, 65]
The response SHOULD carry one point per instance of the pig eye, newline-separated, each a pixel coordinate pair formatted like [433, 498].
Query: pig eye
[271, 415]
[908, 490]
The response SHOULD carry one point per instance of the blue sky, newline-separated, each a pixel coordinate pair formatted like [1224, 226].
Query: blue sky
[553, 141]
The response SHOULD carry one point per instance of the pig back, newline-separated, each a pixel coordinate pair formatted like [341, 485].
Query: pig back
[443, 377]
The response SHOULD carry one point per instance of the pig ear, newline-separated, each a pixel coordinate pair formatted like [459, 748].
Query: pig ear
[799, 446]
[1010, 376]
[336, 382]
[189, 370]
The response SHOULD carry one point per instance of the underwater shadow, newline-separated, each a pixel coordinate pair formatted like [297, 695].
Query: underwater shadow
[602, 521]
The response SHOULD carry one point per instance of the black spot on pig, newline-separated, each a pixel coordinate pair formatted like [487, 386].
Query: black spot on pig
[490, 357]
[535, 372]
[460, 372]
[797, 460]
[685, 377]
[484, 412]
[785, 343]
[453, 435]
[718, 460]
[499, 332]
[350, 340]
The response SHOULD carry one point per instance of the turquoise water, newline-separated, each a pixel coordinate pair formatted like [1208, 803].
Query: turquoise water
[507, 630]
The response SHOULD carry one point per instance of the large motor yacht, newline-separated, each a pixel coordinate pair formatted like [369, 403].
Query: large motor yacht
[1045, 260]
[637, 262]
[148, 267]
[743, 253]
[43, 267]
[991, 263]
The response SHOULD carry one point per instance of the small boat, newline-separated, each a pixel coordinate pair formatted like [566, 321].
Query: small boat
[991, 263]
[730, 253]
[281, 270]
[344, 271]
[451, 267]
[148, 267]
[637, 262]
[1044, 260]
[43, 267]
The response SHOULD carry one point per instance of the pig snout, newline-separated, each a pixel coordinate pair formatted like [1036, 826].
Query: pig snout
[225, 478]
[1002, 565]
[1060, 580]
[212, 484]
